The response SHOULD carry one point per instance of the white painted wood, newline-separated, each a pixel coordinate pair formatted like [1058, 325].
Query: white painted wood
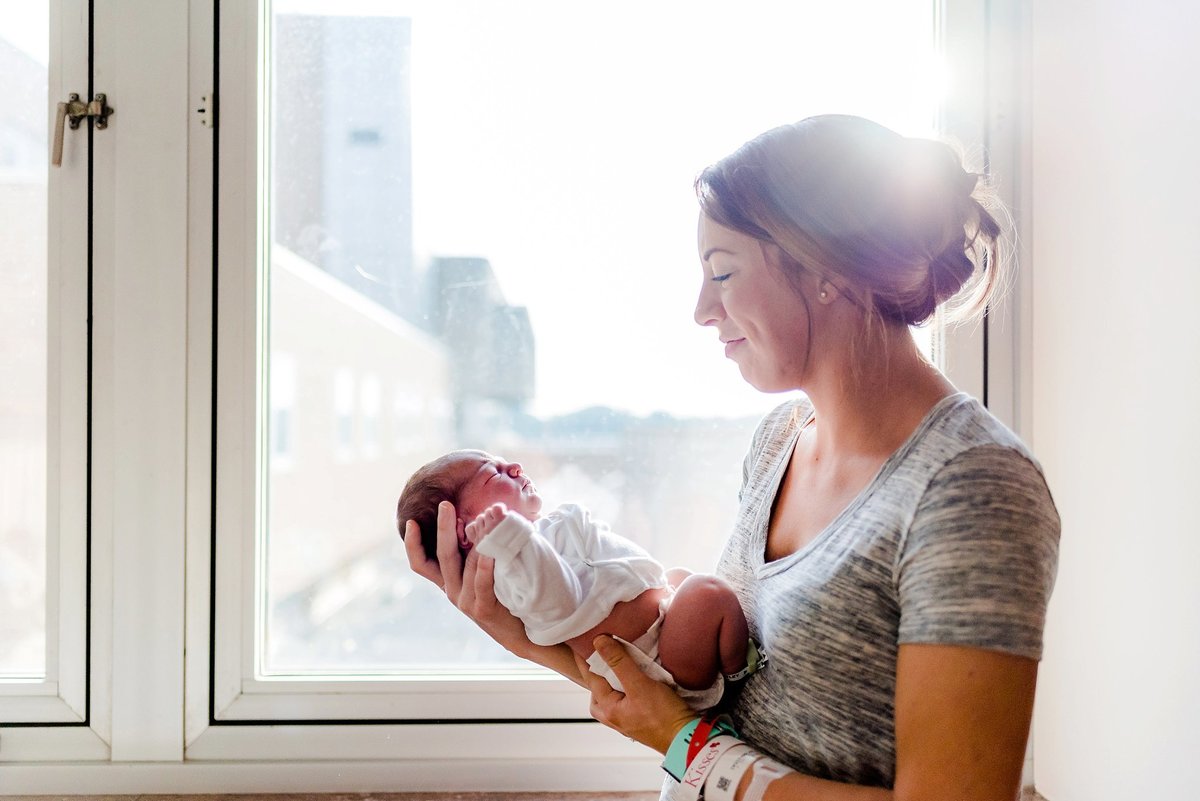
[76, 744]
[500, 698]
[67, 513]
[138, 46]
[239, 179]
[557, 741]
[103, 444]
[41, 704]
[201, 141]
[397, 775]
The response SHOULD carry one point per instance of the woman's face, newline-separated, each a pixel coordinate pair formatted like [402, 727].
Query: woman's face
[759, 315]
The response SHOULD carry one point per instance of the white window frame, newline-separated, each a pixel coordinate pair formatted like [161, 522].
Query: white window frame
[136, 420]
[61, 697]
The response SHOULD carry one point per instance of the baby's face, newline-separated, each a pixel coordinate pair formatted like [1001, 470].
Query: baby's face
[491, 480]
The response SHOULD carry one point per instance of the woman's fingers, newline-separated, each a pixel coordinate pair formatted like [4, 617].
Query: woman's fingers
[626, 670]
[448, 556]
[648, 711]
[420, 563]
[598, 686]
[484, 580]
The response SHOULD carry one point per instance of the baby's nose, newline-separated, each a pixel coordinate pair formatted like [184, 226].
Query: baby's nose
[514, 469]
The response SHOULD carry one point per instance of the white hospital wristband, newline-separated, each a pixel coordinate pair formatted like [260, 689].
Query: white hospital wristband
[726, 775]
[766, 770]
[703, 764]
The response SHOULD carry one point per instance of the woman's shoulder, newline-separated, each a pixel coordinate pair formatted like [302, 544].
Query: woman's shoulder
[965, 455]
[960, 424]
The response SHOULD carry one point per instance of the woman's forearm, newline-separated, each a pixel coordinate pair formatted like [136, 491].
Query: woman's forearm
[799, 787]
[559, 658]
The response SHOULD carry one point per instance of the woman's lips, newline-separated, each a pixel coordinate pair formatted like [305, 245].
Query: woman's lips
[732, 344]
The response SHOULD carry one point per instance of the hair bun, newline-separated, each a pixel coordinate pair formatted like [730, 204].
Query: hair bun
[969, 181]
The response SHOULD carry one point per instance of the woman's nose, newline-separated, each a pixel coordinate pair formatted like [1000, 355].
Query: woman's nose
[708, 307]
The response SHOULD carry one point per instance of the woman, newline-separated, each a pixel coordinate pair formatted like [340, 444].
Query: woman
[896, 545]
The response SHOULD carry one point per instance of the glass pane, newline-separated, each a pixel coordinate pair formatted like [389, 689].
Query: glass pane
[484, 236]
[24, 45]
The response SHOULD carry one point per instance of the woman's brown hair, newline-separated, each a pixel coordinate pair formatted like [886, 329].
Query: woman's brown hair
[894, 223]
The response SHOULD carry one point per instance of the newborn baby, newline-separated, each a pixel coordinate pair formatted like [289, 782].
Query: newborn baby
[569, 578]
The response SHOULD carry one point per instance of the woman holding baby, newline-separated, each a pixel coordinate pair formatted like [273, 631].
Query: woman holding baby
[896, 545]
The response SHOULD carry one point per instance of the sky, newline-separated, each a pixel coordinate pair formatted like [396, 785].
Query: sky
[560, 141]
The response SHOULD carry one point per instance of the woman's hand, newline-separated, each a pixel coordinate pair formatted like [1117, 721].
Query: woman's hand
[648, 711]
[469, 585]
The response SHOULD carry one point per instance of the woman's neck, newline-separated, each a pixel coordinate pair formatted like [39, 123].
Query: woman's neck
[869, 401]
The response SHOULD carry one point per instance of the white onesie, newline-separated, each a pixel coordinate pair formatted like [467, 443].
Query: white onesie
[563, 574]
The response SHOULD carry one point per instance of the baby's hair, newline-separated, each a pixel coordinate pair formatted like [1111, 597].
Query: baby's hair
[431, 484]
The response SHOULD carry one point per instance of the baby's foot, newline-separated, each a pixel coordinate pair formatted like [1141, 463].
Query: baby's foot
[485, 522]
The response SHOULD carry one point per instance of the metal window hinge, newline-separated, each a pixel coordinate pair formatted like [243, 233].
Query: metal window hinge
[208, 110]
[74, 111]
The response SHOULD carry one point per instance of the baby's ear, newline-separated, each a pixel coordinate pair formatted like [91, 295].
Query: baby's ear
[461, 527]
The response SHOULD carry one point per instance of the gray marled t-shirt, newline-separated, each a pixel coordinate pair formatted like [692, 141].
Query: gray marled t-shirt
[955, 541]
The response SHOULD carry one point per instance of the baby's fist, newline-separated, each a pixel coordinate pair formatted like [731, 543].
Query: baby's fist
[485, 522]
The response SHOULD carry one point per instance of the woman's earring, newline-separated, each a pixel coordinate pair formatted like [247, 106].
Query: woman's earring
[825, 294]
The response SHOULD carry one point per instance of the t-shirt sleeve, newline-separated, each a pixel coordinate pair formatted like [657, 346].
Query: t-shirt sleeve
[978, 562]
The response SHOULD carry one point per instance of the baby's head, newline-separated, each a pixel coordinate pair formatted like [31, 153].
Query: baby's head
[472, 481]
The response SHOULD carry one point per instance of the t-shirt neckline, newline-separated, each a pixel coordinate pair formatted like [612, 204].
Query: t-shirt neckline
[763, 568]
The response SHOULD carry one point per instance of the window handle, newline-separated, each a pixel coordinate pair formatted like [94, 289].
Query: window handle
[75, 110]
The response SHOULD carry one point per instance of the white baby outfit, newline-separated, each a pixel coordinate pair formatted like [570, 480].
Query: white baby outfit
[563, 574]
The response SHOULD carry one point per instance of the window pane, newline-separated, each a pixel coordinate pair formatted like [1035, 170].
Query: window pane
[484, 236]
[24, 37]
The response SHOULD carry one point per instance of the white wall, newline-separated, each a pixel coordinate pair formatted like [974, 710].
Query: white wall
[1115, 126]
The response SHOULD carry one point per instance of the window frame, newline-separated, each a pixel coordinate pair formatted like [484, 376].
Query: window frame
[61, 698]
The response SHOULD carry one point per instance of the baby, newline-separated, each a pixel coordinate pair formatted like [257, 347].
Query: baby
[569, 578]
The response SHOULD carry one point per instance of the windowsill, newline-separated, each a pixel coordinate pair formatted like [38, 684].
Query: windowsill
[651, 796]
[1026, 795]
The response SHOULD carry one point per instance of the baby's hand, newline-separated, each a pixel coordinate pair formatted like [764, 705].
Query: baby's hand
[487, 520]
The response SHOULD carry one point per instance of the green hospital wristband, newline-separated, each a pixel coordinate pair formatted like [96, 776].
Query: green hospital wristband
[675, 762]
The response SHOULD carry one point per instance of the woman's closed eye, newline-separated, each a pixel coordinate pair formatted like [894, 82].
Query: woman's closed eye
[721, 278]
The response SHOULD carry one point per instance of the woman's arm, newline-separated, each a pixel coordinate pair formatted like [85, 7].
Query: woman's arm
[962, 720]
[470, 586]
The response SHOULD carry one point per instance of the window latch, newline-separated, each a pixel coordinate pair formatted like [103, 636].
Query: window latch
[74, 111]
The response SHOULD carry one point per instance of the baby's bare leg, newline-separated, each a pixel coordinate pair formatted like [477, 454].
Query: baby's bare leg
[703, 633]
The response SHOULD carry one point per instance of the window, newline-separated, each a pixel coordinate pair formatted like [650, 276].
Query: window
[283, 411]
[24, 354]
[43, 387]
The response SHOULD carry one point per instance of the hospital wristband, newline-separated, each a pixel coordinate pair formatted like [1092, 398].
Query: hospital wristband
[690, 739]
[766, 771]
[675, 760]
[702, 766]
[723, 781]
